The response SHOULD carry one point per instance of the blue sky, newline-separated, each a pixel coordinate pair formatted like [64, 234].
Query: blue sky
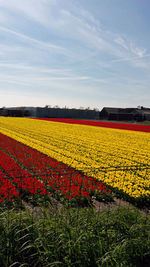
[75, 53]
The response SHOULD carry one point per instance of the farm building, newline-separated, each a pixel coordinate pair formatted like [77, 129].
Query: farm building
[46, 112]
[14, 112]
[67, 113]
[125, 114]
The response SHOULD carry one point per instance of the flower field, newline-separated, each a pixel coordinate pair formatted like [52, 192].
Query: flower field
[123, 126]
[72, 160]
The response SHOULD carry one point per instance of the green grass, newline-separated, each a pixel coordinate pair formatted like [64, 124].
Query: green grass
[74, 237]
[127, 122]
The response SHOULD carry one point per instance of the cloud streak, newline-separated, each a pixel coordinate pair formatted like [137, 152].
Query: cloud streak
[131, 58]
[33, 41]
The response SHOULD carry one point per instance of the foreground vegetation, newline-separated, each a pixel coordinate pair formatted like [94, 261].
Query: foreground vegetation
[74, 237]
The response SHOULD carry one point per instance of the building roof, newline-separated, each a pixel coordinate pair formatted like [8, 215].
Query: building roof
[141, 110]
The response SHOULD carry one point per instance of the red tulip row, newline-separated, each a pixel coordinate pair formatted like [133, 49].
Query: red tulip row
[123, 126]
[58, 177]
[21, 178]
[7, 189]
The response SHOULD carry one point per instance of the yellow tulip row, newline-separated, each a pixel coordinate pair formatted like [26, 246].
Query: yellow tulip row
[89, 149]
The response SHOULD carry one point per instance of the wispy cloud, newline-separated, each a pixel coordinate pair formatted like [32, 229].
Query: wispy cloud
[131, 53]
[77, 24]
[135, 58]
[23, 67]
[119, 40]
[33, 41]
[28, 8]
[40, 75]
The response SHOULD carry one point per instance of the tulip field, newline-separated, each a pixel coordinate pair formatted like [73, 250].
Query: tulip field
[73, 160]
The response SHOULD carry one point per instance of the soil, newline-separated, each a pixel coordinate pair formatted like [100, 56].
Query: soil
[102, 206]
[38, 212]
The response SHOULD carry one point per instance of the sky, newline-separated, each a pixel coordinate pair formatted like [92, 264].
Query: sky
[75, 53]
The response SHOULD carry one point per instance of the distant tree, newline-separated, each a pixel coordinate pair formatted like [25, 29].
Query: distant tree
[56, 106]
[95, 109]
[48, 106]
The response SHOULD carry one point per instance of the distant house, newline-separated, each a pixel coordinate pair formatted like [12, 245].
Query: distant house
[125, 114]
[14, 112]
[145, 112]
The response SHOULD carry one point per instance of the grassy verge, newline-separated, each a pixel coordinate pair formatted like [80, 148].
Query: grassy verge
[128, 122]
[74, 237]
